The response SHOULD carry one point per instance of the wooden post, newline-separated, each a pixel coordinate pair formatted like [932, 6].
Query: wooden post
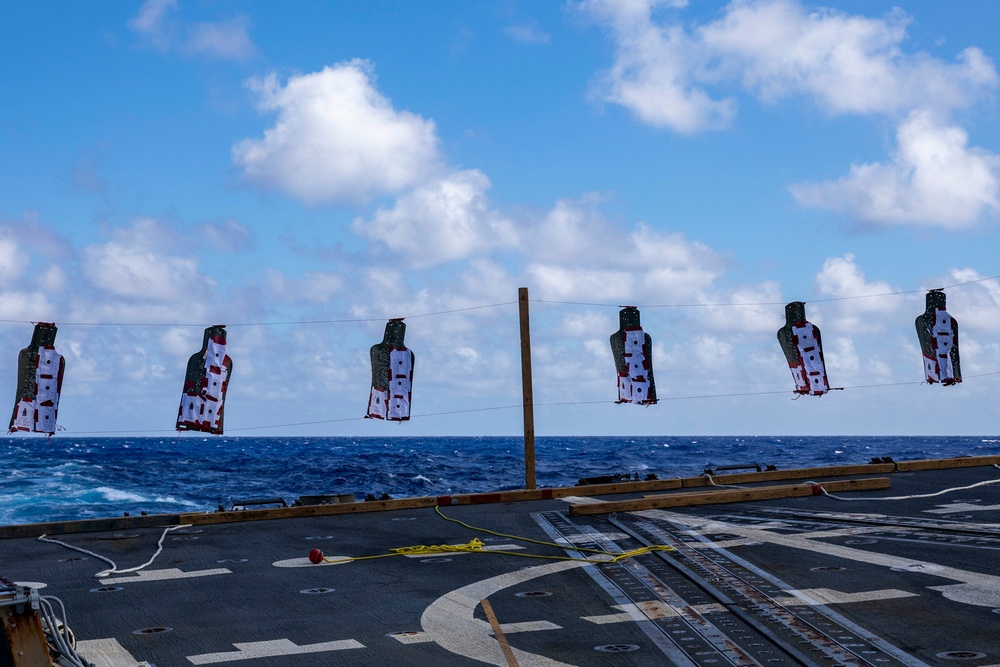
[529, 407]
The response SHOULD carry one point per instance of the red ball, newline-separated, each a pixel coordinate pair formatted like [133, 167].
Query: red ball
[316, 556]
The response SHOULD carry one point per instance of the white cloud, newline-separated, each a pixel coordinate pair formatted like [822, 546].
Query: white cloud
[847, 64]
[655, 70]
[529, 33]
[133, 266]
[227, 40]
[313, 287]
[776, 48]
[441, 221]
[934, 178]
[337, 139]
[229, 234]
[575, 254]
[13, 260]
[155, 24]
[150, 22]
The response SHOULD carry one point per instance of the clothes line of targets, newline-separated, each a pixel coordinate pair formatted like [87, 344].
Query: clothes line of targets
[40, 368]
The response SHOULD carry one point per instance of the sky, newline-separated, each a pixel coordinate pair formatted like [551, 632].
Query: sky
[303, 174]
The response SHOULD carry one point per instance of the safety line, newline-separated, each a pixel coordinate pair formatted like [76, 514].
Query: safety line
[476, 545]
[114, 568]
[759, 303]
[267, 324]
[660, 399]
[503, 303]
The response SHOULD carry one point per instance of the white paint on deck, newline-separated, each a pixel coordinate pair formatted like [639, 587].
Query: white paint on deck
[450, 620]
[164, 575]
[975, 588]
[107, 653]
[270, 649]
[959, 508]
[825, 596]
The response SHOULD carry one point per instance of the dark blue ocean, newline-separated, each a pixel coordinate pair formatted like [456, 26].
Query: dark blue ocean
[75, 478]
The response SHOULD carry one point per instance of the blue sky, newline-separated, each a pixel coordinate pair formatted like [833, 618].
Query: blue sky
[302, 176]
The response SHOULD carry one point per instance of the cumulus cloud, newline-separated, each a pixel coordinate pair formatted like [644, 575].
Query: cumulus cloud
[337, 138]
[158, 27]
[934, 178]
[655, 73]
[775, 48]
[576, 254]
[865, 305]
[133, 265]
[683, 78]
[845, 63]
[441, 221]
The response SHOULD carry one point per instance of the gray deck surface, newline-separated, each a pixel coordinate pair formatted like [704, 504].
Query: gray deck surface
[812, 581]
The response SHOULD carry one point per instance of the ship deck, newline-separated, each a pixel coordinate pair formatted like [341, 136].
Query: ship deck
[848, 566]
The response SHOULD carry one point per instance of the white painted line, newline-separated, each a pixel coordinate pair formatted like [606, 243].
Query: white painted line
[164, 575]
[957, 508]
[305, 562]
[652, 610]
[824, 596]
[975, 588]
[269, 649]
[107, 653]
[450, 620]
[528, 626]
[412, 637]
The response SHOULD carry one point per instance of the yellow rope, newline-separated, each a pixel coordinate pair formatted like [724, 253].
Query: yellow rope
[476, 546]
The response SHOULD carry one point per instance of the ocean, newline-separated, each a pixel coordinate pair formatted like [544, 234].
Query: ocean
[77, 478]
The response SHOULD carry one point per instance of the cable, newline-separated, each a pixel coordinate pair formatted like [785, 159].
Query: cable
[921, 495]
[268, 324]
[114, 568]
[476, 546]
[758, 303]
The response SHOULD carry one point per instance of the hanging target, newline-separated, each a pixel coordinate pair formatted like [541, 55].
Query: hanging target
[803, 347]
[633, 352]
[40, 370]
[392, 375]
[205, 384]
[938, 335]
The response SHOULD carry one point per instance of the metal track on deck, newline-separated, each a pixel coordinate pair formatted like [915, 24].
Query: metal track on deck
[702, 606]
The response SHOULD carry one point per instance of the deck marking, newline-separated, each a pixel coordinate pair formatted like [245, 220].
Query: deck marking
[107, 653]
[451, 622]
[164, 575]
[824, 596]
[340, 560]
[975, 588]
[955, 508]
[305, 562]
[271, 648]
[412, 637]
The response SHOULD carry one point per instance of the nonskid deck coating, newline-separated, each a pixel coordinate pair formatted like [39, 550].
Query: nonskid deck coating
[780, 582]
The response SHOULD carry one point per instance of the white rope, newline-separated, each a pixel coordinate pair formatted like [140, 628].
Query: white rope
[114, 568]
[921, 495]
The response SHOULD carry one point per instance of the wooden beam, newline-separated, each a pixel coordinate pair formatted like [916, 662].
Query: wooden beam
[795, 473]
[731, 496]
[945, 464]
[196, 519]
